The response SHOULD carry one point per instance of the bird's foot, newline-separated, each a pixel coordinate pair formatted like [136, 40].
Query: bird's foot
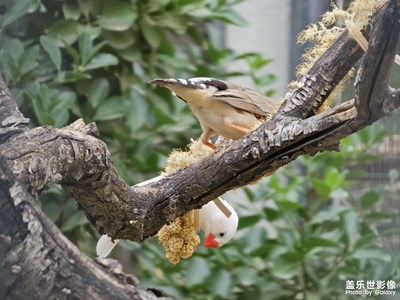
[209, 144]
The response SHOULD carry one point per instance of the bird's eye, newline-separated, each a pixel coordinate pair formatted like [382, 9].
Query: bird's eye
[221, 234]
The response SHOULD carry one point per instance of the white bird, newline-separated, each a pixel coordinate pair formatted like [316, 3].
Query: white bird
[217, 219]
[218, 228]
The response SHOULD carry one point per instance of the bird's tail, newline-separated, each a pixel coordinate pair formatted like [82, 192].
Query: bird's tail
[104, 246]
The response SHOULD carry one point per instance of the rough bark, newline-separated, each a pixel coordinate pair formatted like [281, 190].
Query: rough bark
[75, 158]
[38, 262]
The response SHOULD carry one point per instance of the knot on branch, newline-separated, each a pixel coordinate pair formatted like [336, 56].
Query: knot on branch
[44, 155]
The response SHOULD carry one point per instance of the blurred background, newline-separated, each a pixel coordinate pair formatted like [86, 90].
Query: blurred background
[303, 231]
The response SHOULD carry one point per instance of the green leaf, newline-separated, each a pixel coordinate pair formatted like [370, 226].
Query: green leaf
[162, 116]
[249, 194]
[18, 95]
[99, 90]
[351, 227]
[255, 238]
[71, 10]
[155, 6]
[248, 221]
[287, 205]
[319, 242]
[339, 194]
[40, 112]
[86, 7]
[52, 50]
[54, 200]
[364, 135]
[370, 198]
[285, 269]
[152, 34]
[76, 219]
[60, 119]
[117, 16]
[10, 68]
[379, 216]
[85, 48]
[292, 256]
[119, 40]
[173, 21]
[195, 34]
[275, 183]
[64, 32]
[371, 253]
[32, 89]
[131, 54]
[72, 76]
[332, 214]
[333, 178]
[139, 111]
[18, 9]
[175, 62]
[113, 108]
[13, 48]
[255, 60]
[222, 283]
[93, 31]
[63, 104]
[322, 187]
[247, 276]
[28, 60]
[101, 60]
[271, 213]
[231, 17]
[197, 271]
[74, 54]
[265, 79]
[51, 208]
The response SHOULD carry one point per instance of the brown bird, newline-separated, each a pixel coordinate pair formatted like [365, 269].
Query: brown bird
[222, 107]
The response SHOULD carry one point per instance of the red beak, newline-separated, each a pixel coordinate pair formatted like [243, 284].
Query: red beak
[210, 241]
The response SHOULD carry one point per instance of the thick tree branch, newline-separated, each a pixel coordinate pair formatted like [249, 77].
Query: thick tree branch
[374, 98]
[81, 163]
[33, 250]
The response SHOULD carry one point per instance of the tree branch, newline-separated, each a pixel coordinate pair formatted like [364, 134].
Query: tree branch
[81, 163]
[34, 253]
[374, 98]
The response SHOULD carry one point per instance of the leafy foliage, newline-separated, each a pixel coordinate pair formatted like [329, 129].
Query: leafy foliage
[302, 233]
[92, 59]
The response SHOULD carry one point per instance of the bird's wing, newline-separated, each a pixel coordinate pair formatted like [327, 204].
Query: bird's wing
[230, 93]
[245, 99]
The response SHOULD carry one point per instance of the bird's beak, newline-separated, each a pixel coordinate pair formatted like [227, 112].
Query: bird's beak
[210, 241]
